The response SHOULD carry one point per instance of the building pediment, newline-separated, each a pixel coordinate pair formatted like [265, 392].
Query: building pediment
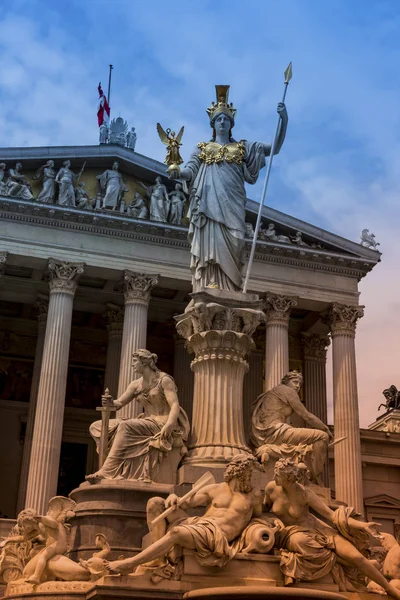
[296, 243]
[382, 501]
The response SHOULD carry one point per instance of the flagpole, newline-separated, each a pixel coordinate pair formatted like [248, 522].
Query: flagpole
[288, 76]
[109, 85]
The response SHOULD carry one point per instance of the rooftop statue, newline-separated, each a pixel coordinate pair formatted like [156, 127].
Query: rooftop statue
[270, 235]
[368, 240]
[392, 397]
[218, 170]
[137, 208]
[47, 175]
[177, 203]
[3, 167]
[82, 198]
[131, 138]
[138, 445]
[67, 181]
[159, 201]
[17, 185]
[273, 438]
[112, 187]
[310, 547]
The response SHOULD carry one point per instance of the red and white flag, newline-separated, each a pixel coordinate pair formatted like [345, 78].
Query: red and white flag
[103, 110]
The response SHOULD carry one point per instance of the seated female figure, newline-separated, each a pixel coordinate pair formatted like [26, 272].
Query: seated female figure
[138, 445]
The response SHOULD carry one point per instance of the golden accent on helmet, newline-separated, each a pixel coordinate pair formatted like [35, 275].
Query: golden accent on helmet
[221, 105]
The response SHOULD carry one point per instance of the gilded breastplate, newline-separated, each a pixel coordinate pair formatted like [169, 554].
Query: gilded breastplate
[211, 152]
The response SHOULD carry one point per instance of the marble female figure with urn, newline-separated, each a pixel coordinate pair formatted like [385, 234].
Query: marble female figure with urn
[218, 170]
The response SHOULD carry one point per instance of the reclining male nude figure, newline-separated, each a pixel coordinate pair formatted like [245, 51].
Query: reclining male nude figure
[230, 507]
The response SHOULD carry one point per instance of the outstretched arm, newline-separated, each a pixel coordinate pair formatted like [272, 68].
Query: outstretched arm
[282, 112]
[301, 410]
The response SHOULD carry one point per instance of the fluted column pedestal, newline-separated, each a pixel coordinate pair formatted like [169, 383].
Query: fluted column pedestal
[218, 330]
[314, 387]
[252, 387]
[41, 307]
[137, 290]
[47, 431]
[348, 473]
[184, 377]
[114, 319]
[277, 314]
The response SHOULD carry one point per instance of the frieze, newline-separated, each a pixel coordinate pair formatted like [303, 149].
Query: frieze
[175, 236]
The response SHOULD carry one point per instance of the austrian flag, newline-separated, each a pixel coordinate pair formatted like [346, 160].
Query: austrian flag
[103, 110]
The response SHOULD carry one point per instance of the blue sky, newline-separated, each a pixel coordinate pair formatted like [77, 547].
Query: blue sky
[339, 167]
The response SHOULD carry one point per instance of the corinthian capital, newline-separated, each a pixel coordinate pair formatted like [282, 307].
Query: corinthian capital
[343, 318]
[315, 346]
[277, 309]
[3, 260]
[41, 307]
[114, 317]
[64, 276]
[137, 286]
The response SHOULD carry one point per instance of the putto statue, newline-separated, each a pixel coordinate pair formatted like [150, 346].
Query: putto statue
[392, 397]
[368, 240]
[34, 552]
[139, 445]
[112, 187]
[47, 175]
[218, 170]
[18, 185]
[311, 548]
[273, 438]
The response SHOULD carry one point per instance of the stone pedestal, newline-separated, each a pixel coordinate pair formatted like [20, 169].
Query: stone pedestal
[116, 508]
[115, 319]
[41, 307]
[137, 289]
[47, 432]
[348, 475]
[277, 314]
[218, 327]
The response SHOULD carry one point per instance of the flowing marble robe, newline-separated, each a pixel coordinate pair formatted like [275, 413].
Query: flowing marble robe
[48, 191]
[112, 184]
[136, 448]
[217, 210]
[66, 180]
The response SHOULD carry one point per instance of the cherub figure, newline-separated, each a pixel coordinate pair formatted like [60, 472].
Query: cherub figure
[55, 533]
[173, 158]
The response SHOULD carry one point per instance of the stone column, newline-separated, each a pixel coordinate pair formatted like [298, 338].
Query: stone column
[277, 313]
[315, 347]
[348, 475]
[252, 387]
[114, 319]
[41, 306]
[184, 377]
[47, 431]
[137, 290]
[218, 331]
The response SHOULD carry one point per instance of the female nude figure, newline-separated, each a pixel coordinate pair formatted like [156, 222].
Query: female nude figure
[139, 444]
[309, 547]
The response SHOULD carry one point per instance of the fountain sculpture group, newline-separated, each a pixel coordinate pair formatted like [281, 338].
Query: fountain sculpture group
[175, 511]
